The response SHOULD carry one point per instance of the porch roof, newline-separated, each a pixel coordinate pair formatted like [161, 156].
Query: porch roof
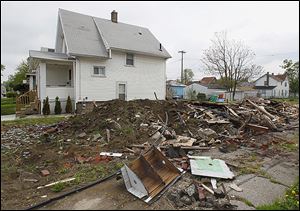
[49, 55]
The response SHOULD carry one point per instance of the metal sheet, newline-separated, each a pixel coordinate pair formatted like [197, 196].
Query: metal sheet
[205, 166]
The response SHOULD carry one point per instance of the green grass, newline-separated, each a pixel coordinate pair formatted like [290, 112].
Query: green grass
[32, 121]
[293, 143]
[8, 106]
[5, 101]
[291, 100]
[289, 202]
[58, 187]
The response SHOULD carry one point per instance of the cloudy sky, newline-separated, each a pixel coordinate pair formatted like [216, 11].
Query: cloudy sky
[270, 29]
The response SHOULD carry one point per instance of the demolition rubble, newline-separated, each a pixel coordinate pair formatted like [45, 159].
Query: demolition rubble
[161, 144]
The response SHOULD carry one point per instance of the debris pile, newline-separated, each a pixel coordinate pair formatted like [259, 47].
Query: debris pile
[125, 132]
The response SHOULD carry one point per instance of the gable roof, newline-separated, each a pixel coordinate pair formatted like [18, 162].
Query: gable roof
[279, 77]
[88, 35]
[207, 80]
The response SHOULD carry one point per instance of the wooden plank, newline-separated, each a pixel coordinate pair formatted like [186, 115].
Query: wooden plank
[262, 109]
[209, 114]
[258, 127]
[165, 147]
[233, 112]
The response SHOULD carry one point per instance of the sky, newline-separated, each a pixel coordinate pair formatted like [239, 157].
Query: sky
[270, 29]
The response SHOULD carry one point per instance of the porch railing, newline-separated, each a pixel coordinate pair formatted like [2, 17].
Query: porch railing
[26, 99]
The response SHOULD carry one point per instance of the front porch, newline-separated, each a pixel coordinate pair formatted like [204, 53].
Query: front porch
[53, 76]
[56, 80]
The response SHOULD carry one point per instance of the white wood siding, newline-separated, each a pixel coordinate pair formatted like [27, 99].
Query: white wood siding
[148, 75]
[277, 91]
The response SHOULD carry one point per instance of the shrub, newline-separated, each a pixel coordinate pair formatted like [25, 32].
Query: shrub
[69, 105]
[46, 106]
[57, 108]
[11, 94]
[201, 96]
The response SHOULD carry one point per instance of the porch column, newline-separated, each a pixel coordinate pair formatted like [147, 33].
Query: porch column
[75, 82]
[42, 84]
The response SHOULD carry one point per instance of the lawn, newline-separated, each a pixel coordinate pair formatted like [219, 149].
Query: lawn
[32, 121]
[8, 106]
[291, 100]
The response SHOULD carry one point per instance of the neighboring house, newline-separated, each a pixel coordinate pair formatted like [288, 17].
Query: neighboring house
[3, 91]
[270, 85]
[175, 89]
[243, 90]
[205, 81]
[209, 89]
[97, 59]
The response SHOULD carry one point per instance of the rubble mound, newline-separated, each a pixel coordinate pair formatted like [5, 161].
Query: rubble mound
[123, 123]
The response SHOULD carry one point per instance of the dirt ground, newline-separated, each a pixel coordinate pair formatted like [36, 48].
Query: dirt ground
[71, 149]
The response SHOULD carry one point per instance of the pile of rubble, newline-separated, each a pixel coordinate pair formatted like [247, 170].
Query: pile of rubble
[179, 129]
[15, 137]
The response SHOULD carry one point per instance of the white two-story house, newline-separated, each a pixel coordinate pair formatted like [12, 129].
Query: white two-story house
[270, 85]
[96, 59]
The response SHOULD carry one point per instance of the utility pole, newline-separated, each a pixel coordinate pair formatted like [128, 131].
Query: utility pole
[182, 52]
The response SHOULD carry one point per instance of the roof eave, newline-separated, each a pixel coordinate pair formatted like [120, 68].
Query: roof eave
[141, 52]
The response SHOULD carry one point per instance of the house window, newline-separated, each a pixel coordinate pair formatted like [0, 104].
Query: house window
[70, 75]
[285, 92]
[263, 91]
[129, 59]
[285, 84]
[99, 71]
[265, 83]
[282, 93]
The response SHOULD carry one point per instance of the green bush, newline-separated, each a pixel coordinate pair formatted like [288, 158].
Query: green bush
[46, 106]
[11, 94]
[201, 96]
[69, 105]
[57, 108]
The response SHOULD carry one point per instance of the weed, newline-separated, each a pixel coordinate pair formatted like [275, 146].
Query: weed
[58, 187]
[289, 202]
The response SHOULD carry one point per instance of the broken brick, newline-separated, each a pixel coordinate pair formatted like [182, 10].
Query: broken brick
[45, 172]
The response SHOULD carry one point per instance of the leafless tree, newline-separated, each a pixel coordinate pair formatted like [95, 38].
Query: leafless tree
[231, 60]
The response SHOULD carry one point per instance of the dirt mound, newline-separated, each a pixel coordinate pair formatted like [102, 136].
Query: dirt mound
[122, 123]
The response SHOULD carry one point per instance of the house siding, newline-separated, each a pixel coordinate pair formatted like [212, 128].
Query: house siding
[277, 91]
[148, 75]
[203, 89]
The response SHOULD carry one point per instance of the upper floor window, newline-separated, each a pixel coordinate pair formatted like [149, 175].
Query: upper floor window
[285, 84]
[265, 83]
[129, 59]
[99, 70]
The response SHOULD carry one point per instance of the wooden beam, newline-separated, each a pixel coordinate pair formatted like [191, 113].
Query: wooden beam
[262, 109]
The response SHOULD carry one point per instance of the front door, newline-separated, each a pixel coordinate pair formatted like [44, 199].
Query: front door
[122, 91]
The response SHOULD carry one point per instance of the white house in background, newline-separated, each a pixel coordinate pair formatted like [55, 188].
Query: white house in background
[208, 89]
[97, 59]
[270, 85]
